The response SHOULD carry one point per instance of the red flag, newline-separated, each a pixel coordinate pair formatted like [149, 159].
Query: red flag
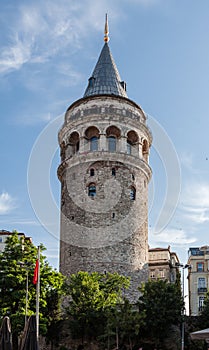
[35, 275]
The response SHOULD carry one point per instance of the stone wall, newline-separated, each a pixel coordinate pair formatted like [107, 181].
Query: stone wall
[105, 231]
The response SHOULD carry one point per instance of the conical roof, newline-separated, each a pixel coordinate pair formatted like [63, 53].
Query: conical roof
[105, 78]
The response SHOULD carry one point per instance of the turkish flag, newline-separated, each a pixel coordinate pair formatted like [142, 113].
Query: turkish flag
[35, 275]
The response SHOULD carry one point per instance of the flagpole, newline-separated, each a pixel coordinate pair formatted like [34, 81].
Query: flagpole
[37, 295]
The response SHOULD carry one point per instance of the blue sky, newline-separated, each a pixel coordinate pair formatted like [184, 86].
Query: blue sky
[48, 52]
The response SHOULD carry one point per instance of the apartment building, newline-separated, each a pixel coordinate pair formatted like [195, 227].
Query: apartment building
[198, 278]
[4, 234]
[163, 264]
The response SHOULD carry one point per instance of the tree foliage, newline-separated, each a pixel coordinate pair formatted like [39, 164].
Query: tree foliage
[163, 304]
[203, 318]
[16, 261]
[93, 297]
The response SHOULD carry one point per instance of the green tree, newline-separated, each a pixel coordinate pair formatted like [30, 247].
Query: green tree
[124, 322]
[162, 303]
[91, 295]
[203, 318]
[16, 261]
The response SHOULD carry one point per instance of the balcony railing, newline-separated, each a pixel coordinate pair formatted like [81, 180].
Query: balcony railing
[202, 290]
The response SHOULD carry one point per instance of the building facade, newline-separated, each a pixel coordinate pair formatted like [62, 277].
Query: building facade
[198, 278]
[104, 175]
[163, 264]
[4, 234]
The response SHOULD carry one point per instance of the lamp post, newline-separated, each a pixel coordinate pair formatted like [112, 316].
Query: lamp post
[183, 267]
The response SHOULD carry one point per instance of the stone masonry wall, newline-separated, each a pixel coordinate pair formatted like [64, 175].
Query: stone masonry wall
[107, 232]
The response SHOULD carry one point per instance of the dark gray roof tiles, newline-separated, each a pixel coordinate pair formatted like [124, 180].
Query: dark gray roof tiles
[105, 78]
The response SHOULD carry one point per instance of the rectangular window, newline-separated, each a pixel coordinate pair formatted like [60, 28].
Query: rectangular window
[201, 303]
[152, 274]
[162, 273]
[200, 266]
[128, 148]
[201, 282]
[94, 143]
[111, 144]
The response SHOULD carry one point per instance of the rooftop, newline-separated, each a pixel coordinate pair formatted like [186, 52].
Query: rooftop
[105, 78]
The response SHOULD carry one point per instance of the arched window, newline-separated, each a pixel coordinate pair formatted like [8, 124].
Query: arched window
[74, 143]
[92, 190]
[113, 172]
[94, 143]
[92, 135]
[132, 142]
[91, 172]
[113, 133]
[145, 150]
[111, 144]
[132, 194]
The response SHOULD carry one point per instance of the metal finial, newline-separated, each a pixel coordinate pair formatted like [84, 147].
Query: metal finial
[106, 30]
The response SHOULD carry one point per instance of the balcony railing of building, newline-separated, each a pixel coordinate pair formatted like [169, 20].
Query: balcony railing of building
[202, 290]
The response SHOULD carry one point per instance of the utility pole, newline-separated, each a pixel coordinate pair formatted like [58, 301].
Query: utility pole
[183, 267]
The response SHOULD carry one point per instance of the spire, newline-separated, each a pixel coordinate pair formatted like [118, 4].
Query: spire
[105, 78]
[106, 30]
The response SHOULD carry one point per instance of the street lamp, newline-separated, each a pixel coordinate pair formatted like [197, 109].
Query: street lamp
[183, 267]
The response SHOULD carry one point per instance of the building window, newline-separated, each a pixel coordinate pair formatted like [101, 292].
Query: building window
[201, 303]
[92, 135]
[132, 193]
[128, 147]
[162, 273]
[91, 82]
[133, 177]
[74, 143]
[145, 150]
[152, 274]
[200, 267]
[113, 172]
[201, 282]
[92, 190]
[94, 143]
[111, 143]
[91, 172]
[172, 277]
[132, 142]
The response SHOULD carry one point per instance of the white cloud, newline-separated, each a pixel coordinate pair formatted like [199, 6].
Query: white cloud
[195, 202]
[44, 29]
[24, 222]
[171, 236]
[197, 195]
[31, 119]
[6, 203]
[15, 55]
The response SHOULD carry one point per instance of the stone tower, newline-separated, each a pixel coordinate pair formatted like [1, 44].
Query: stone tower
[104, 175]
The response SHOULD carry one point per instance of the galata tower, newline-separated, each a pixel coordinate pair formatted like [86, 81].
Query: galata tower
[104, 175]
